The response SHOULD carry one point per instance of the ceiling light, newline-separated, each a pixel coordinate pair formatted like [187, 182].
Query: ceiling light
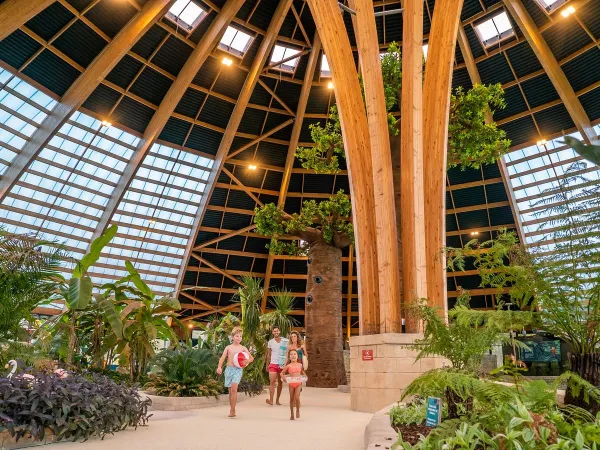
[106, 123]
[252, 167]
[568, 11]
[227, 61]
[542, 142]
[191, 325]
[330, 85]
[474, 233]
[151, 222]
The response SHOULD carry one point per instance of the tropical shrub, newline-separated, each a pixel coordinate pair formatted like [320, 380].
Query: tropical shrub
[73, 408]
[184, 372]
[29, 268]
[462, 344]
[250, 388]
[487, 414]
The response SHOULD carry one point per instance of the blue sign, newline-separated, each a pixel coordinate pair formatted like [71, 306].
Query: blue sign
[434, 412]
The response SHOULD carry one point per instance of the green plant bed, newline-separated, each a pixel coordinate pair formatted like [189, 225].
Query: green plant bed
[72, 408]
[490, 415]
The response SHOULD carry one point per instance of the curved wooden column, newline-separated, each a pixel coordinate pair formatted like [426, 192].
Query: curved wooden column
[390, 318]
[436, 104]
[414, 279]
[355, 132]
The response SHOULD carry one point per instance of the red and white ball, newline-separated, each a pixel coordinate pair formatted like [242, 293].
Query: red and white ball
[241, 359]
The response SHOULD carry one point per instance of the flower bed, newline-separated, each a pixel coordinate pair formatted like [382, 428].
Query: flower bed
[72, 408]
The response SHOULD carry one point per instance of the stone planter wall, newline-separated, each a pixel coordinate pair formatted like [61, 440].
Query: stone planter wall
[380, 381]
[185, 403]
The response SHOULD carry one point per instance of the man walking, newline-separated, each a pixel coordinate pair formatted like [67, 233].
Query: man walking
[276, 351]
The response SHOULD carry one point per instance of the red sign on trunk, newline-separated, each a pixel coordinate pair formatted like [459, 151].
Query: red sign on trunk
[367, 355]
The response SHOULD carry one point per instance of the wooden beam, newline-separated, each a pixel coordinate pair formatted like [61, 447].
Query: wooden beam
[275, 96]
[436, 103]
[232, 308]
[414, 279]
[82, 88]
[15, 13]
[226, 236]
[284, 60]
[191, 67]
[260, 138]
[294, 139]
[197, 300]
[552, 68]
[390, 317]
[258, 63]
[465, 49]
[244, 188]
[355, 132]
[217, 269]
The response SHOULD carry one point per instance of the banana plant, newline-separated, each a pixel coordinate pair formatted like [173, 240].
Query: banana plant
[77, 292]
[143, 316]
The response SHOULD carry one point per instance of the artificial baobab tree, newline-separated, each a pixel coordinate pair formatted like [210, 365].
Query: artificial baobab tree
[320, 230]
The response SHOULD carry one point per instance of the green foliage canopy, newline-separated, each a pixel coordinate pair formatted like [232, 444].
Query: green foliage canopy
[471, 140]
[326, 221]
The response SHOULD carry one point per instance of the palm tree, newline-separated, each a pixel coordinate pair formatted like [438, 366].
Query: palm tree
[29, 268]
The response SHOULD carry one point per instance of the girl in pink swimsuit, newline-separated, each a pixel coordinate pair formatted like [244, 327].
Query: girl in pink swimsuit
[294, 369]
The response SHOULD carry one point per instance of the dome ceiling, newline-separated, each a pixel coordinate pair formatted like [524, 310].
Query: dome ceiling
[173, 217]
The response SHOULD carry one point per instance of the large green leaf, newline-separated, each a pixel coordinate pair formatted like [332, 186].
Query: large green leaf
[137, 280]
[133, 306]
[589, 152]
[79, 293]
[95, 249]
[110, 314]
[167, 305]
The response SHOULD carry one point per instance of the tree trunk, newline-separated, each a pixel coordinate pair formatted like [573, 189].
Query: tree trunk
[72, 343]
[587, 367]
[325, 342]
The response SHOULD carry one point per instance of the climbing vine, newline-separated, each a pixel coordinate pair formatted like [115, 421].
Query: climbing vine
[471, 140]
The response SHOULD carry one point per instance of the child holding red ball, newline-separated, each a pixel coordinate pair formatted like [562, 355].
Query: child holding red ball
[238, 357]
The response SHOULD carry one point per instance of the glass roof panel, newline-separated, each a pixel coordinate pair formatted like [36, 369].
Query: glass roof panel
[325, 71]
[156, 216]
[235, 41]
[494, 29]
[281, 52]
[186, 12]
[543, 174]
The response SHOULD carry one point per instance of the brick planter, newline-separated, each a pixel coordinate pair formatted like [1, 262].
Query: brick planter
[184, 403]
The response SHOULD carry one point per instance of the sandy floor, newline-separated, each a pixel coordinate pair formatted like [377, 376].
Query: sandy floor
[326, 423]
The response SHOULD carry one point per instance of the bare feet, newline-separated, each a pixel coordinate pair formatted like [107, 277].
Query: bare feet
[292, 417]
[269, 402]
[277, 402]
[231, 414]
[297, 414]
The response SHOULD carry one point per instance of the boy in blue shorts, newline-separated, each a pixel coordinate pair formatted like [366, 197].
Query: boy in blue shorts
[233, 374]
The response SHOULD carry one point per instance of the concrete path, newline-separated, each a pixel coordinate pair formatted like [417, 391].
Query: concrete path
[327, 423]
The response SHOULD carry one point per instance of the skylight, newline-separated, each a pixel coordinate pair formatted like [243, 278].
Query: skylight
[494, 29]
[235, 41]
[550, 5]
[186, 13]
[425, 50]
[325, 71]
[280, 53]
